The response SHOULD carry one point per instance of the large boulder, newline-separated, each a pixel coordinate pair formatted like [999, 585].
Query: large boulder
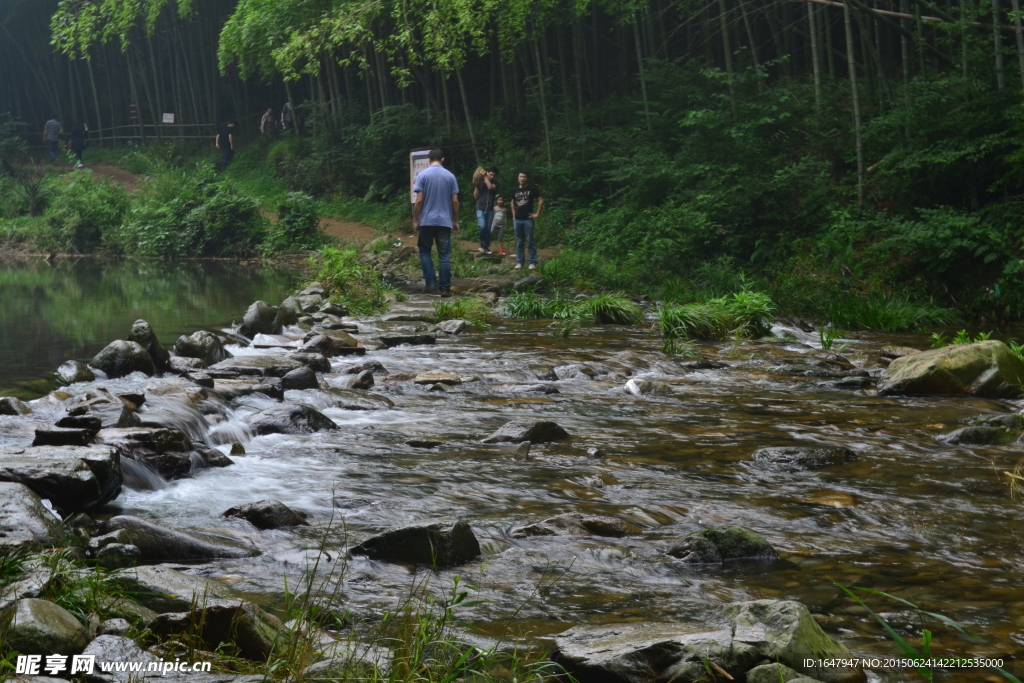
[393, 339]
[202, 344]
[143, 335]
[575, 524]
[73, 371]
[111, 648]
[987, 369]
[163, 589]
[111, 410]
[534, 432]
[73, 478]
[121, 358]
[724, 543]
[775, 673]
[25, 523]
[247, 627]
[300, 378]
[442, 543]
[160, 544]
[798, 457]
[268, 514]
[37, 627]
[978, 436]
[290, 419]
[167, 451]
[9, 405]
[260, 318]
[259, 366]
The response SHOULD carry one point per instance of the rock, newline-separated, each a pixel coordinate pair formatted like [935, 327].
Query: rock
[118, 556]
[314, 289]
[313, 361]
[260, 318]
[334, 309]
[442, 543]
[160, 544]
[773, 673]
[350, 660]
[38, 627]
[575, 524]
[113, 627]
[259, 366]
[424, 443]
[200, 378]
[322, 344]
[24, 520]
[803, 456]
[413, 339]
[529, 389]
[784, 631]
[705, 364]
[893, 352]
[364, 380]
[275, 341]
[522, 451]
[576, 371]
[290, 311]
[143, 335]
[721, 544]
[455, 326]
[202, 345]
[977, 436]
[61, 436]
[299, 378]
[113, 647]
[12, 406]
[373, 366]
[268, 514]
[230, 389]
[90, 423]
[644, 387]
[251, 630]
[987, 369]
[122, 358]
[850, 383]
[545, 373]
[438, 377]
[73, 371]
[290, 419]
[167, 451]
[532, 281]
[163, 589]
[100, 403]
[73, 478]
[237, 449]
[534, 432]
[651, 653]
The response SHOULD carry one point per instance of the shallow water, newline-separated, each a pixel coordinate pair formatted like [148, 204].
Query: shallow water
[73, 308]
[927, 522]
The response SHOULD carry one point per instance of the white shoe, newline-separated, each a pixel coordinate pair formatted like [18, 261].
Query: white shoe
[80, 166]
[482, 250]
[533, 267]
[488, 252]
[519, 266]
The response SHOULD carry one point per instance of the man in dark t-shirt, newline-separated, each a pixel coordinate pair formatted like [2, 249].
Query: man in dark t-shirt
[226, 144]
[523, 216]
[485, 190]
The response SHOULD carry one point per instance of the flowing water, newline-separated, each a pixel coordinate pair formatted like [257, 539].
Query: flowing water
[929, 523]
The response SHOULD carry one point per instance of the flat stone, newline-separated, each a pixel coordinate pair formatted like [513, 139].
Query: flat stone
[313, 361]
[575, 524]
[62, 436]
[230, 389]
[893, 352]
[168, 451]
[73, 478]
[116, 648]
[38, 627]
[160, 544]
[163, 589]
[259, 366]
[183, 365]
[290, 419]
[803, 457]
[438, 377]
[275, 341]
[394, 339]
[534, 432]
[268, 514]
[442, 543]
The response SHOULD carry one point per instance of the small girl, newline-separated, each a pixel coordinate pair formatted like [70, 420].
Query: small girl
[498, 224]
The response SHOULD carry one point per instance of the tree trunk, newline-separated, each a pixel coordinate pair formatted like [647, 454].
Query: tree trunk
[815, 59]
[852, 66]
[643, 77]
[753, 44]
[905, 59]
[1020, 39]
[997, 43]
[469, 120]
[96, 96]
[543, 101]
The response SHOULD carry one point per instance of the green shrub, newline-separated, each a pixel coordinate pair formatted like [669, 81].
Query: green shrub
[192, 214]
[298, 225]
[350, 281]
[609, 309]
[745, 314]
[472, 309]
[85, 211]
[886, 313]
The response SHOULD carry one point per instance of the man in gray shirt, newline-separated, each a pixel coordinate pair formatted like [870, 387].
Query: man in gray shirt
[435, 215]
[51, 136]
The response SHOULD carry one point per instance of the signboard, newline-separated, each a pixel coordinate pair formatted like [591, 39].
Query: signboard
[168, 118]
[417, 162]
[133, 113]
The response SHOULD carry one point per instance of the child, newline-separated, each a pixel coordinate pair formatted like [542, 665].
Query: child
[498, 224]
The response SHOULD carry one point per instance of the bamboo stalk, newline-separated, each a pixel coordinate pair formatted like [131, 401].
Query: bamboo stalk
[852, 66]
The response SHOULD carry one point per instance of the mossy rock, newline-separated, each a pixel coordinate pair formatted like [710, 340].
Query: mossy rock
[721, 544]
[987, 369]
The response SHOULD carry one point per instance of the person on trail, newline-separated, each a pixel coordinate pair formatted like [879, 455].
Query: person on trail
[498, 223]
[226, 144]
[485, 189]
[268, 126]
[523, 217]
[287, 117]
[51, 136]
[435, 216]
[78, 132]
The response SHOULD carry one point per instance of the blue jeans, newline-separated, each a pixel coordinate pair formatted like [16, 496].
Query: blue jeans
[483, 221]
[51, 148]
[524, 235]
[443, 236]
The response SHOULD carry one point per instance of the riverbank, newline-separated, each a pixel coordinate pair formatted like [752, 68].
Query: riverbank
[361, 424]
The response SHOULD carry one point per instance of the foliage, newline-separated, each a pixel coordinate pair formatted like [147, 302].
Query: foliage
[186, 214]
[939, 340]
[609, 309]
[470, 308]
[745, 314]
[84, 211]
[887, 313]
[827, 336]
[12, 146]
[350, 281]
[298, 225]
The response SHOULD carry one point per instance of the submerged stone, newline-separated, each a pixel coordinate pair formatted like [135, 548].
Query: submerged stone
[575, 524]
[442, 543]
[268, 514]
[803, 456]
[160, 544]
[721, 544]
[290, 419]
[534, 432]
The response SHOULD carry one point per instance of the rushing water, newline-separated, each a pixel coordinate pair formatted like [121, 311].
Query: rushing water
[927, 522]
[72, 309]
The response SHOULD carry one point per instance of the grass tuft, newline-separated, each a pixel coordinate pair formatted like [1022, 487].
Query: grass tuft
[887, 313]
[745, 314]
[469, 308]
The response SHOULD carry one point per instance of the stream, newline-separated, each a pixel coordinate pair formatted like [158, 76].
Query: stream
[930, 523]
